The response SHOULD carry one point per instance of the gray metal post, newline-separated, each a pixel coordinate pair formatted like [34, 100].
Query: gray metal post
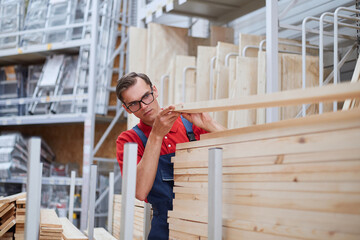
[215, 194]
[111, 202]
[34, 176]
[92, 196]
[89, 125]
[71, 197]
[272, 114]
[128, 191]
[147, 220]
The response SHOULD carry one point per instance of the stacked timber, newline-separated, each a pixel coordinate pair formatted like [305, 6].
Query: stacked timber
[293, 179]
[70, 232]
[50, 225]
[102, 234]
[7, 215]
[138, 227]
[20, 219]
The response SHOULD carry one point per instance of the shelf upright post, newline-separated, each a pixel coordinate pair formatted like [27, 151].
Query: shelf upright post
[72, 193]
[128, 191]
[272, 114]
[215, 194]
[92, 196]
[111, 202]
[89, 126]
[34, 176]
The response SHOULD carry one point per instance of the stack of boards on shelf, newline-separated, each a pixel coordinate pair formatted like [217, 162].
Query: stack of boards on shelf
[50, 225]
[138, 227]
[7, 215]
[20, 219]
[292, 179]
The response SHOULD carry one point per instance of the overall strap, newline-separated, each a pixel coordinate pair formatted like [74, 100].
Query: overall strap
[189, 131]
[140, 134]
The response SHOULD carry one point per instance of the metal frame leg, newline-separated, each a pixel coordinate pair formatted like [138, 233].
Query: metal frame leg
[92, 196]
[34, 177]
[215, 194]
[111, 202]
[128, 191]
[72, 193]
[147, 220]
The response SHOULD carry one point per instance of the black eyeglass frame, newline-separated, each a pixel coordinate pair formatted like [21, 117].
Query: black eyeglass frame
[141, 101]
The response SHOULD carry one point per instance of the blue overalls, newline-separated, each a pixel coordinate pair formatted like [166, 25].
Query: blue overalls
[161, 193]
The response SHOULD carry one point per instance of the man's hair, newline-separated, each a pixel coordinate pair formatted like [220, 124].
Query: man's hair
[129, 80]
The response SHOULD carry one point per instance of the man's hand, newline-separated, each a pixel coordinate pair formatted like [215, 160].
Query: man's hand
[204, 121]
[164, 121]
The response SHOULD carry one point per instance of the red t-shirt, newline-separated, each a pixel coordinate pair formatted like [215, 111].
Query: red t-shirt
[177, 134]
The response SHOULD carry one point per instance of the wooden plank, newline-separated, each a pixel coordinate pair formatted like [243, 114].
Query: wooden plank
[13, 198]
[325, 187]
[48, 218]
[328, 156]
[261, 86]
[180, 63]
[7, 227]
[21, 201]
[3, 206]
[221, 34]
[7, 209]
[177, 235]
[232, 90]
[102, 234]
[70, 231]
[302, 143]
[248, 39]
[338, 92]
[194, 43]
[353, 176]
[291, 78]
[137, 59]
[197, 211]
[203, 65]
[310, 201]
[3, 225]
[326, 120]
[221, 87]
[246, 78]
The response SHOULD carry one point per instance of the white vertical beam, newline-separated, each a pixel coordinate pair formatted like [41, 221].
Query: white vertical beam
[71, 197]
[147, 220]
[34, 177]
[215, 194]
[272, 114]
[89, 126]
[111, 202]
[92, 196]
[128, 191]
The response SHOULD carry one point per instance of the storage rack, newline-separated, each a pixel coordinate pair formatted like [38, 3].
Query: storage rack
[90, 41]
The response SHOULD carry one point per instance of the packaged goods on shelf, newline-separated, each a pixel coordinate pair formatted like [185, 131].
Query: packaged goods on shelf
[11, 20]
[12, 85]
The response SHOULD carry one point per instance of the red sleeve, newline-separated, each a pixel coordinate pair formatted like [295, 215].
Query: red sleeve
[198, 131]
[126, 137]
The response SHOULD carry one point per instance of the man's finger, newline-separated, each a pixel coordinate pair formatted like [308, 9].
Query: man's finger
[167, 110]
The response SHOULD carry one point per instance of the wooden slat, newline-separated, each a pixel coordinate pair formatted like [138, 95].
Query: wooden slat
[3, 225]
[7, 209]
[326, 187]
[221, 34]
[70, 231]
[203, 72]
[180, 63]
[323, 122]
[7, 227]
[292, 97]
[355, 78]
[12, 198]
[102, 234]
[353, 176]
[197, 211]
[48, 218]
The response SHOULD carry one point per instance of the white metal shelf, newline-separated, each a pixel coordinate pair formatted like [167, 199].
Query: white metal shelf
[45, 180]
[42, 119]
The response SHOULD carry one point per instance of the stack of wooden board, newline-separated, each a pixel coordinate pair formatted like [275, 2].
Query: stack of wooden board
[138, 218]
[7, 215]
[70, 232]
[20, 219]
[50, 225]
[293, 179]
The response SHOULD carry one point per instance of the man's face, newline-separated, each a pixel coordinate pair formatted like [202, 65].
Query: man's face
[137, 92]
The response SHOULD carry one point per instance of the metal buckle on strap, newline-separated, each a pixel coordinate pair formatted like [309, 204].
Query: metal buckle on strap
[191, 136]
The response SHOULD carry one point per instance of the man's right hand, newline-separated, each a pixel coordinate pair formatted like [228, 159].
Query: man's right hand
[164, 121]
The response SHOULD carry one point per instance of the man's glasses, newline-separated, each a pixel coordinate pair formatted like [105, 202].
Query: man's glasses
[136, 105]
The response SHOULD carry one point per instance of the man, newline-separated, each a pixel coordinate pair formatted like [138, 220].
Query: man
[157, 134]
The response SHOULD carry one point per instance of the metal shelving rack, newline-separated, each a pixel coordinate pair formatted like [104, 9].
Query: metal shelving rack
[90, 41]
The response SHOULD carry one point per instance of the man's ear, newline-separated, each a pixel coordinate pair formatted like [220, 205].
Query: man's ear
[156, 93]
[126, 109]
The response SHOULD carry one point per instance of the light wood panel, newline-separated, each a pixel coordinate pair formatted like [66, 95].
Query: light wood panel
[180, 63]
[221, 34]
[291, 97]
[203, 66]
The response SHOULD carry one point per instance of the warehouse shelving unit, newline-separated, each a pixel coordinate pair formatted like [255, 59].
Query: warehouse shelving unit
[92, 41]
